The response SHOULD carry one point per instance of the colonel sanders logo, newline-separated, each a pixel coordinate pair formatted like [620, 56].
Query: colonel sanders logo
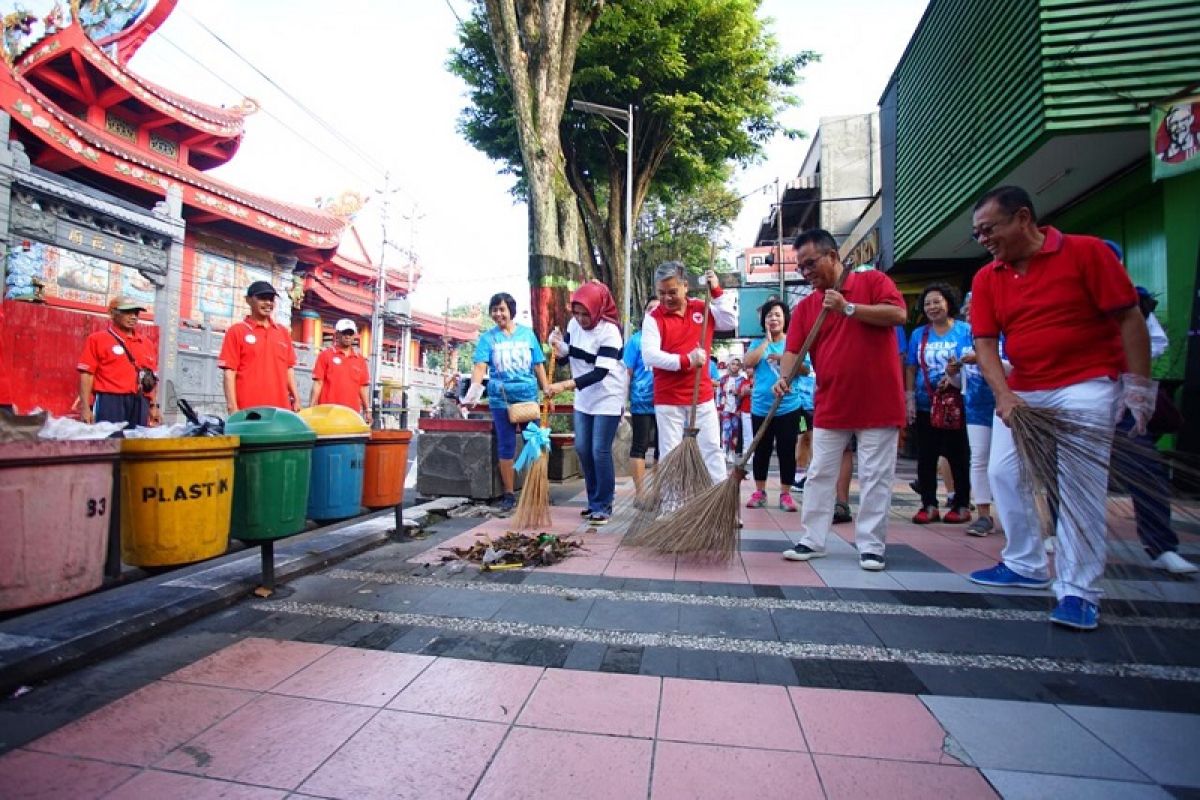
[1178, 137]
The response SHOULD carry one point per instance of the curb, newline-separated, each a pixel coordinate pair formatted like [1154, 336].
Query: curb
[49, 641]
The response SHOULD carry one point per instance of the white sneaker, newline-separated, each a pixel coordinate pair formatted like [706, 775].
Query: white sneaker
[1173, 563]
[1048, 543]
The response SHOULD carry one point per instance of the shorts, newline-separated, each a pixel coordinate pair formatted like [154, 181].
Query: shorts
[506, 434]
[645, 433]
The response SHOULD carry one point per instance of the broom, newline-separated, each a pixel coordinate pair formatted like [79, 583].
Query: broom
[682, 473]
[533, 508]
[709, 525]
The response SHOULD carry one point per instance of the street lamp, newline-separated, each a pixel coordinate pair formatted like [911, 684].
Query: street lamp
[625, 115]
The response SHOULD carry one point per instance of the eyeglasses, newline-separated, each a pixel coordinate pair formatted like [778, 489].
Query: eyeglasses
[986, 231]
[809, 264]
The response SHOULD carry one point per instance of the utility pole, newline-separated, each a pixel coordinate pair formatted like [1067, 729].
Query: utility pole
[412, 217]
[779, 243]
[377, 311]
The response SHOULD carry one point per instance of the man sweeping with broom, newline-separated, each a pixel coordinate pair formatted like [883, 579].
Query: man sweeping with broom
[859, 392]
[676, 341]
[1077, 341]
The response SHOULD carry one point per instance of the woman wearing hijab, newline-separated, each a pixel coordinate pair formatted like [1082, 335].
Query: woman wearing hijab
[593, 344]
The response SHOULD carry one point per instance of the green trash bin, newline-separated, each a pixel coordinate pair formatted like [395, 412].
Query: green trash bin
[271, 474]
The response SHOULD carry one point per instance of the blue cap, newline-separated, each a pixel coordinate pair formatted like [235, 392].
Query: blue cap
[1116, 248]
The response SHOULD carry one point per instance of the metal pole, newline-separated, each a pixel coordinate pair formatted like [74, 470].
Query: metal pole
[267, 552]
[779, 243]
[628, 221]
[377, 313]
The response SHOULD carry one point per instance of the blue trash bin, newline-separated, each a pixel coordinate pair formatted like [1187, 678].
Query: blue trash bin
[338, 461]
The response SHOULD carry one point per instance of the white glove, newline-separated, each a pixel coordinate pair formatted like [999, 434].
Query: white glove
[1138, 396]
[555, 340]
[910, 407]
[473, 394]
[697, 358]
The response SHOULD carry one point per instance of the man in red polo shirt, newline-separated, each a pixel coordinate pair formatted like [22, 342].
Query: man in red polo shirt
[340, 374]
[671, 346]
[1077, 341]
[108, 370]
[859, 393]
[258, 357]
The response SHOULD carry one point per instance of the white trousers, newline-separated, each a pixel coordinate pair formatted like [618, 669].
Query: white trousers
[876, 473]
[747, 430]
[980, 437]
[673, 419]
[1081, 549]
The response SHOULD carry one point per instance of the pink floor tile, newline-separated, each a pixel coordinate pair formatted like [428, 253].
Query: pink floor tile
[700, 771]
[145, 725]
[643, 554]
[256, 664]
[594, 702]
[274, 741]
[661, 570]
[867, 779]
[739, 714]
[579, 565]
[352, 675]
[469, 689]
[402, 755]
[38, 776]
[696, 569]
[548, 765]
[154, 785]
[871, 724]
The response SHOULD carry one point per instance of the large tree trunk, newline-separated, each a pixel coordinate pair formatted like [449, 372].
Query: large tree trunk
[536, 42]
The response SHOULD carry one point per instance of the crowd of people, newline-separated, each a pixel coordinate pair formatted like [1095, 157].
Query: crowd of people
[1053, 321]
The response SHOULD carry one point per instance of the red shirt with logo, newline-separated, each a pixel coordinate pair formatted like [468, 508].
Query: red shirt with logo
[747, 391]
[104, 358]
[680, 333]
[859, 384]
[1056, 319]
[260, 354]
[342, 375]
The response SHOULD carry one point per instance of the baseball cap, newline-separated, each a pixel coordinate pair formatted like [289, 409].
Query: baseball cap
[346, 325]
[125, 304]
[260, 288]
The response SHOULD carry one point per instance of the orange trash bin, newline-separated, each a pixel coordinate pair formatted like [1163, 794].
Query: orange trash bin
[387, 462]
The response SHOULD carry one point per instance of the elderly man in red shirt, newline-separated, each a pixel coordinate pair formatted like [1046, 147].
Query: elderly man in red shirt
[859, 393]
[258, 357]
[340, 375]
[109, 385]
[671, 346]
[1077, 341]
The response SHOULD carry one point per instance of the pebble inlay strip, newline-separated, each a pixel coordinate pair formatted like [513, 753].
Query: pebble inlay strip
[764, 603]
[800, 650]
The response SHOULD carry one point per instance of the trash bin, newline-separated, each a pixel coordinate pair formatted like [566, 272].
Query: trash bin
[383, 475]
[55, 502]
[176, 496]
[335, 489]
[270, 487]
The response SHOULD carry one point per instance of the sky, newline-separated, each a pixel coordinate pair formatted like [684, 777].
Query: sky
[373, 74]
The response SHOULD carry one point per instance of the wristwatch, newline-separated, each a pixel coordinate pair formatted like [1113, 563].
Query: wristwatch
[849, 309]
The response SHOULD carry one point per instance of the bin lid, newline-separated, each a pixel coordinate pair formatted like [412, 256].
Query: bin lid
[268, 425]
[330, 419]
[182, 446]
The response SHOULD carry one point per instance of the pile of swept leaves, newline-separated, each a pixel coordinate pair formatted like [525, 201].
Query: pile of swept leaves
[514, 550]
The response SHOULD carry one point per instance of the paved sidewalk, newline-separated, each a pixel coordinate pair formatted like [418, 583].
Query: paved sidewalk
[623, 673]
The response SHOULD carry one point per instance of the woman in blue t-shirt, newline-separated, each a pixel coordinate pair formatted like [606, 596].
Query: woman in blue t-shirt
[641, 404]
[512, 358]
[764, 358]
[935, 352]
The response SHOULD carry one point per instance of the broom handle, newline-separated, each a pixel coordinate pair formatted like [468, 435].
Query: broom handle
[703, 368]
[748, 452]
[548, 400]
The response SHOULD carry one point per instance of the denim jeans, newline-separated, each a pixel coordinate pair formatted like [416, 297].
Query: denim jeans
[594, 435]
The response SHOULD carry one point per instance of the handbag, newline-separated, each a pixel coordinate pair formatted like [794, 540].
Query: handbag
[147, 381]
[520, 413]
[947, 411]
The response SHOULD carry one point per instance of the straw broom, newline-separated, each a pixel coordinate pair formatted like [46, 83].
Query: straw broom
[533, 507]
[709, 523]
[682, 473]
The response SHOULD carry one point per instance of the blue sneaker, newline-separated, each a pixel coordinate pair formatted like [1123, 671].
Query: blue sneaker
[1000, 575]
[1075, 612]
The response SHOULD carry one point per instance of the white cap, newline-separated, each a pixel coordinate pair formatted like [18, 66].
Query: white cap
[346, 325]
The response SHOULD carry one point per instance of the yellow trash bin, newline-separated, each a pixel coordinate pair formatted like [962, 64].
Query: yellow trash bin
[176, 499]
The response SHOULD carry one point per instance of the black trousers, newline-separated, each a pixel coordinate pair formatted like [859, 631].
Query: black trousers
[780, 437]
[932, 443]
[131, 408]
